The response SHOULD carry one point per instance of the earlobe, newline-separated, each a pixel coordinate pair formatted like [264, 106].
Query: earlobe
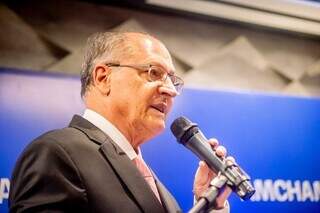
[101, 79]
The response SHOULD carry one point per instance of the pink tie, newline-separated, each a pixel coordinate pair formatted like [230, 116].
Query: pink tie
[146, 173]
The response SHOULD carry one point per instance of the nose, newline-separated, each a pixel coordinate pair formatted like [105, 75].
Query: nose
[168, 88]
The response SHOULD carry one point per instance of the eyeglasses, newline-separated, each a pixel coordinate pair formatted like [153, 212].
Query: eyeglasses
[155, 73]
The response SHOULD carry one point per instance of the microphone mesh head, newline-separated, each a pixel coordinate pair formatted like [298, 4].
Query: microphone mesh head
[180, 126]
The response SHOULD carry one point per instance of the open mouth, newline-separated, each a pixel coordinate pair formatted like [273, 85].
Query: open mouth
[161, 107]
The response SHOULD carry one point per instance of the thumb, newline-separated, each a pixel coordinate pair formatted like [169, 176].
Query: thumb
[202, 176]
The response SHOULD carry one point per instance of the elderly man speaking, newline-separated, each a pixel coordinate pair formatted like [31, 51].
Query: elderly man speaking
[95, 164]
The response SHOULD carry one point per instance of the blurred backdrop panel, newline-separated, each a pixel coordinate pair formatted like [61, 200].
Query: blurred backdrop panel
[260, 46]
[275, 138]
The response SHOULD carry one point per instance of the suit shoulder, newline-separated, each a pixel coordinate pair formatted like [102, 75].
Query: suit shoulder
[47, 151]
[60, 134]
[45, 166]
[62, 137]
[54, 141]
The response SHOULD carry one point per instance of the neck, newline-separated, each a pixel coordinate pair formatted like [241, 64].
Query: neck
[129, 130]
[133, 134]
[133, 131]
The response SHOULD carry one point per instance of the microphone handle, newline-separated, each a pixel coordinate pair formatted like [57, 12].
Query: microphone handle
[199, 145]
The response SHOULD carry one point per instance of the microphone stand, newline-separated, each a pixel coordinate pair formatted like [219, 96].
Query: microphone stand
[210, 195]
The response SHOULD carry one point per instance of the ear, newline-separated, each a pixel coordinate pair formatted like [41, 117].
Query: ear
[100, 76]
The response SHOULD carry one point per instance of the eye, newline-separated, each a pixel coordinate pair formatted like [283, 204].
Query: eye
[156, 73]
[173, 79]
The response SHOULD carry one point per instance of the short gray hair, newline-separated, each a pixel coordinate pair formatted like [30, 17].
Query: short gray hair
[108, 45]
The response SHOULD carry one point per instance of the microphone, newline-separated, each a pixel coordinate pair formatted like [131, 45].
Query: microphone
[189, 135]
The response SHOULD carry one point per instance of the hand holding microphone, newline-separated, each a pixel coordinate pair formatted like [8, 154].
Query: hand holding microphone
[189, 135]
[204, 175]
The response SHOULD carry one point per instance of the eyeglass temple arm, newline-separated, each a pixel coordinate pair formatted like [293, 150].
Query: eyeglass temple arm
[113, 64]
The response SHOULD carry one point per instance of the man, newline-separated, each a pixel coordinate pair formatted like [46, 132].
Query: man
[95, 164]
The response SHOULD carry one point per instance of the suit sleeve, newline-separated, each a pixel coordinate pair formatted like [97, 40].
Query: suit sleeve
[45, 179]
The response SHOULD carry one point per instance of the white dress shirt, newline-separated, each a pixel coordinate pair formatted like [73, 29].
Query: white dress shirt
[112, 131]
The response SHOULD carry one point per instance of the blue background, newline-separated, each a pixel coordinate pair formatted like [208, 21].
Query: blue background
[271, 137]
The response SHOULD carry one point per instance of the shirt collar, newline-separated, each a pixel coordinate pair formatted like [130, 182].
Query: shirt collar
[108, 128]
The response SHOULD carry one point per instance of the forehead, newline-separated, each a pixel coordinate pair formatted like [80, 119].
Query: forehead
[147, 49]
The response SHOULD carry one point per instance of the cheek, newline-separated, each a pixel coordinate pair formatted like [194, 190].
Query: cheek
[139, 99]
[135, 96]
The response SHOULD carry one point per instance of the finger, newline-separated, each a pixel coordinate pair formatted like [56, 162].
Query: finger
[204, 170]
[203, 174]
[202, 179]
[230, 158]
[214, 143]
[221, 151]
[209, 172]
[203, 166]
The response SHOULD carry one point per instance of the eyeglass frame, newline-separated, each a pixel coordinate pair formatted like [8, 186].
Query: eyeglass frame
[147, 68]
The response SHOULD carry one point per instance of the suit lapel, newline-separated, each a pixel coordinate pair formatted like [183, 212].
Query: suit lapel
[132, 178]
[168, 201]
[122, 165]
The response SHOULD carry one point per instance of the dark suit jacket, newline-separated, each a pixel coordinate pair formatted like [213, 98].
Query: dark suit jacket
[80, 169]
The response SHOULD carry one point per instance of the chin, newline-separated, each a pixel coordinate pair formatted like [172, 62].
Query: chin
[156, 127]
